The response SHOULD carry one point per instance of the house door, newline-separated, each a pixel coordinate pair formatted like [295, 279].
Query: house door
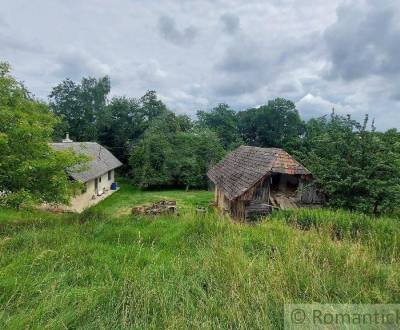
[96, 186]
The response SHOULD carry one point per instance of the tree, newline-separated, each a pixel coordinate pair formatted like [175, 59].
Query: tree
[196, 151]
[120, 125]
[79, 106]
[276, 124]
[358, 168]
[124, 120]
[30, 171]
[248, 126]
[184, 122]
[223, 121]
[152, 157]
[168, 155]
[152, 107]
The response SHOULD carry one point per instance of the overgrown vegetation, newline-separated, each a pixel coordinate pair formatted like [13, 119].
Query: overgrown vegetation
[171, 155]
[30, 171]
[356, 165]
[108, 269]
[358, 169]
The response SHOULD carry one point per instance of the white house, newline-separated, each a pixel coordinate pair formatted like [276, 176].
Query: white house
[98, 175]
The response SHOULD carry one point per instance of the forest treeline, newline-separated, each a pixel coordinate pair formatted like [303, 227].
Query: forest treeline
[357, 165]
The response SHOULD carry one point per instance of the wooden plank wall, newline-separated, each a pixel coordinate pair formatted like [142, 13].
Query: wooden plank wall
[220, 199]
[257, 198]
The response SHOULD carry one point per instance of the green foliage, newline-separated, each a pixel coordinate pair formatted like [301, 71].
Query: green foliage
[170, 154]
[224, 122]
[276, 124]
[357, 168]
[123, 122]
[79, 106]
[120, 125]
[152, 107]
[30, 171]
[191, 271]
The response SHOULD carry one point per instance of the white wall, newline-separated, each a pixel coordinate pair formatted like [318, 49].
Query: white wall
[105, 184]
[89, 197]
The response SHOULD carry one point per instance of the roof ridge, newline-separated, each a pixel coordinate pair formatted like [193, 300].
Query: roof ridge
[101, 159]
[256, 147]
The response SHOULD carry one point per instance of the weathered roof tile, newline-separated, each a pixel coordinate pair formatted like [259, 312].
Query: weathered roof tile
[101, 160]
[243, 167]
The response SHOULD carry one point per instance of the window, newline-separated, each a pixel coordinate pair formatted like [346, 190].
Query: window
[109, 175]
[99, 178]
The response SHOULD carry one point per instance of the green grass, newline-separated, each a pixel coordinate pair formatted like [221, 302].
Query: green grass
[108, 269]
[120, 203]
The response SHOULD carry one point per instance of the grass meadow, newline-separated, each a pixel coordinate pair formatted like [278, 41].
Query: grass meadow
[107, 269]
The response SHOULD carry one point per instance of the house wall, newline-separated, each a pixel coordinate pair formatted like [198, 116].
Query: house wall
[80, 202]
[105, 184]
[89, 196]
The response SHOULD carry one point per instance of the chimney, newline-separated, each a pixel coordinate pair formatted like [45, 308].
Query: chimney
[67, 139]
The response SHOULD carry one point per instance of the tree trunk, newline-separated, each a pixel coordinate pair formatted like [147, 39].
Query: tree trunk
[376, 204]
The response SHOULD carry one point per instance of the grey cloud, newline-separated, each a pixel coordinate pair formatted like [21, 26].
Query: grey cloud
[277, 48]
[289, 86]
[169, 31]
[314, 106]
[395, 92]
[74, 64]
[151, 72]
[10, 43]
[248, 54]
[231, 23]
[249, 64]
[246, 66]
[234, 87]
[242, 55]
[143, 75]
[3, 22]
[364, 40]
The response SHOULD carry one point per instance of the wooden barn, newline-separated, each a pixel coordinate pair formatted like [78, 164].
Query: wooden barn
[252, 181]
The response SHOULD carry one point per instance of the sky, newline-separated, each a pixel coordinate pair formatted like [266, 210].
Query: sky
[319, 54]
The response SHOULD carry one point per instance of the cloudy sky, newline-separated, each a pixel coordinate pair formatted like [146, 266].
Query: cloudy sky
[195, 54]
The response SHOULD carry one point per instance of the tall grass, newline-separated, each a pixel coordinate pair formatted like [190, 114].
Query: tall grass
[96, 270]
[380, 233]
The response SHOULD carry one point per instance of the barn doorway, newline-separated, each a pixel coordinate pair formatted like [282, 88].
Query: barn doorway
[284, 182]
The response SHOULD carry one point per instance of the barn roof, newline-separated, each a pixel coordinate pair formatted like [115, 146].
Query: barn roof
[245, 166]
[101, 160]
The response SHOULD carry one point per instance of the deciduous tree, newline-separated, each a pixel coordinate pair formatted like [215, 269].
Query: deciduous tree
[30, 171]
[79, 106]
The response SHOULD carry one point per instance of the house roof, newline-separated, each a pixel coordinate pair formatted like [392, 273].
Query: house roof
[245, 166]
[101, 160]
